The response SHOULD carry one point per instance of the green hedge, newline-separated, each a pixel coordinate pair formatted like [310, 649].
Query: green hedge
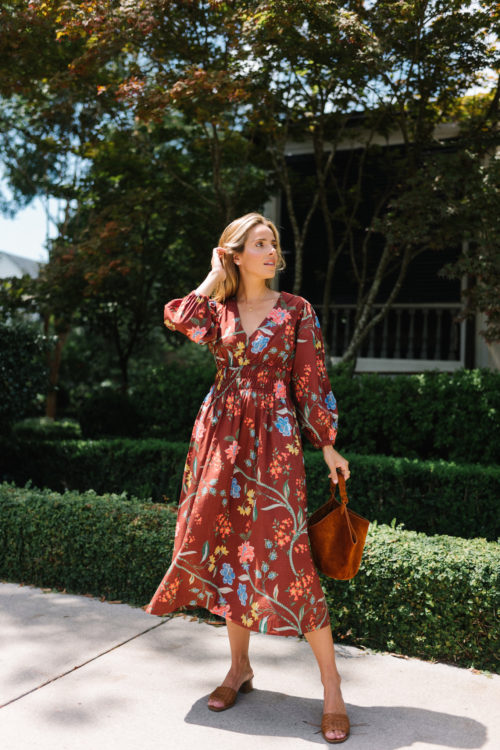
[104, 545]
[23, 371]
[45, 428]
[453, 416]
[434, 598]
[144, 468]
[430, 415]
[435, 497]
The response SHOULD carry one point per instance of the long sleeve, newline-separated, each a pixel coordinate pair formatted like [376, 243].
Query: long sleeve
[310, 386]
[194, 315]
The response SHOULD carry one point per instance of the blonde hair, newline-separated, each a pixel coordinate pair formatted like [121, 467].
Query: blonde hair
[233, 238]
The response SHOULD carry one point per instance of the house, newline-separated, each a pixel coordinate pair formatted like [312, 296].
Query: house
[17, 266]
[420, 331]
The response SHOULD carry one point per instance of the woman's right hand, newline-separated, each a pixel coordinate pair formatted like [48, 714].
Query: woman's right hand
[217, 267]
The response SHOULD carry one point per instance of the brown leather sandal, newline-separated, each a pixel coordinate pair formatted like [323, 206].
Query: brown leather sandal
[228, 694]
[335, 722]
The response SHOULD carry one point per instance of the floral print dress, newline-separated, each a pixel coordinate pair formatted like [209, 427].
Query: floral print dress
[241, 547]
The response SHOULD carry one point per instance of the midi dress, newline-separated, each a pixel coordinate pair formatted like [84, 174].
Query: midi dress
[241, 546]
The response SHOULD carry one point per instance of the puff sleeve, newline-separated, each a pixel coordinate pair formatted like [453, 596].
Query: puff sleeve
[310, 386]
[194, 315]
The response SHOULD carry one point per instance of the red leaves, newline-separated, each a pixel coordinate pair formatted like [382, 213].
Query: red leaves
[132, 88]
[205, 93]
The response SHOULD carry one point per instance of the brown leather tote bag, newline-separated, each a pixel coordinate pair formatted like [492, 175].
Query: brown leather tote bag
[337, 535]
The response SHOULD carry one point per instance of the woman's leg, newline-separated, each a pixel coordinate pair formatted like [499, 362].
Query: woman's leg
[240, 669]
[321, 642]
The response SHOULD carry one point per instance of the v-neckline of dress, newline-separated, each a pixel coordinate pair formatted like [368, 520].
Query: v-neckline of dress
[237, 313]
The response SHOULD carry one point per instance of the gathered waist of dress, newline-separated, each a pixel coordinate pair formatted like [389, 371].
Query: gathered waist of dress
[257, 376]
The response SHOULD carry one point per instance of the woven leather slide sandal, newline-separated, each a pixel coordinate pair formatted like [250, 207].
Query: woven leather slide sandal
[227, 695]
[335, 722]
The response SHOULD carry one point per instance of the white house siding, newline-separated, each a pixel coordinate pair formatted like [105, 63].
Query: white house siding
[16, 266]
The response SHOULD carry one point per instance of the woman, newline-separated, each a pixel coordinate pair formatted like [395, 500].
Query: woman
[241, 544]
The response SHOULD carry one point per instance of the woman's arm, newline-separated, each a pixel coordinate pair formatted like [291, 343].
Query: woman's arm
[216, 274]
[209, 283]
[334, 460]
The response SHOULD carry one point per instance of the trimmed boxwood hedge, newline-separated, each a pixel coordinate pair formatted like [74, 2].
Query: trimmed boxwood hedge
[45, 428]
[149, 469]
[434, 598]
[435, 497]
[429, 415]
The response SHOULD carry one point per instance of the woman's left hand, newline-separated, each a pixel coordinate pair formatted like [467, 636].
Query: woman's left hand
[335, 461]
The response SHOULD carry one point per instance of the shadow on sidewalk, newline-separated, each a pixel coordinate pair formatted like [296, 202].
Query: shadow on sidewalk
[270, 713]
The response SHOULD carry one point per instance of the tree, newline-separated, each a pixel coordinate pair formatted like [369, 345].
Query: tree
[142, 200]
[47, 116]
[330, 72]
[239, 80]
[471, 218]
[129, 240]
[184, 59]
[355, 74]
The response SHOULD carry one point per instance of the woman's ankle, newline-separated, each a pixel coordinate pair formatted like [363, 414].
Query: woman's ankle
[331, 680]
[240, 665]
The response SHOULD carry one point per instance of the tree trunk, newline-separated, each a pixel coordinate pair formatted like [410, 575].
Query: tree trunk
[299, 233]
[322, 171]
[365, 323]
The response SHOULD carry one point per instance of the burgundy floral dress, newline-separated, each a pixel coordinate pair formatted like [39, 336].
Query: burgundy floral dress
[241, 547]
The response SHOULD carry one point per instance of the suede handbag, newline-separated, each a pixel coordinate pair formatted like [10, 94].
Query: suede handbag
[337, 535]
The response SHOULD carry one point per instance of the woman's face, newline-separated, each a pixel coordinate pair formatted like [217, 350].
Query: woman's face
[260, 254]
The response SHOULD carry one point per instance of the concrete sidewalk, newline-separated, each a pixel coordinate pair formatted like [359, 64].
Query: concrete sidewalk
[79, 673]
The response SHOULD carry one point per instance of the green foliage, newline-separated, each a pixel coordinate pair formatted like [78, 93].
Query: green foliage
[433, 496]
[429, 597]
[88, 365]
[430, 415]
[16, 296]
[160, 396]
[44, 428]
[109, 413]
[85, 543]
[479, 261]
[434, 598]
[453, 202]
[23, 372]
[145, 468]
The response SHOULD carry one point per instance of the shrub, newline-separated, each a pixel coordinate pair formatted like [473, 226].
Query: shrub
[168, 399]
[84, 543]
[23, 371]
[435, 497]
[109, 413]
[430, 415]
[435, 598]
[44, 428]
[431, 597]
[146, 468]
[431, 496]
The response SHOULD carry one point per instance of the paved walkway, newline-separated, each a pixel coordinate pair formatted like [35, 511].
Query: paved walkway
[77, 673]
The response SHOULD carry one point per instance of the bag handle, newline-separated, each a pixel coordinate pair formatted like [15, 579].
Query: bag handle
[345, 500]
[341, 486]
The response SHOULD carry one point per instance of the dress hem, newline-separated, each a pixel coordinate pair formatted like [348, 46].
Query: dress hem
[254, 628]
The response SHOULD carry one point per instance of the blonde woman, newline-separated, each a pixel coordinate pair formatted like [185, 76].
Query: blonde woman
[241, 544]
